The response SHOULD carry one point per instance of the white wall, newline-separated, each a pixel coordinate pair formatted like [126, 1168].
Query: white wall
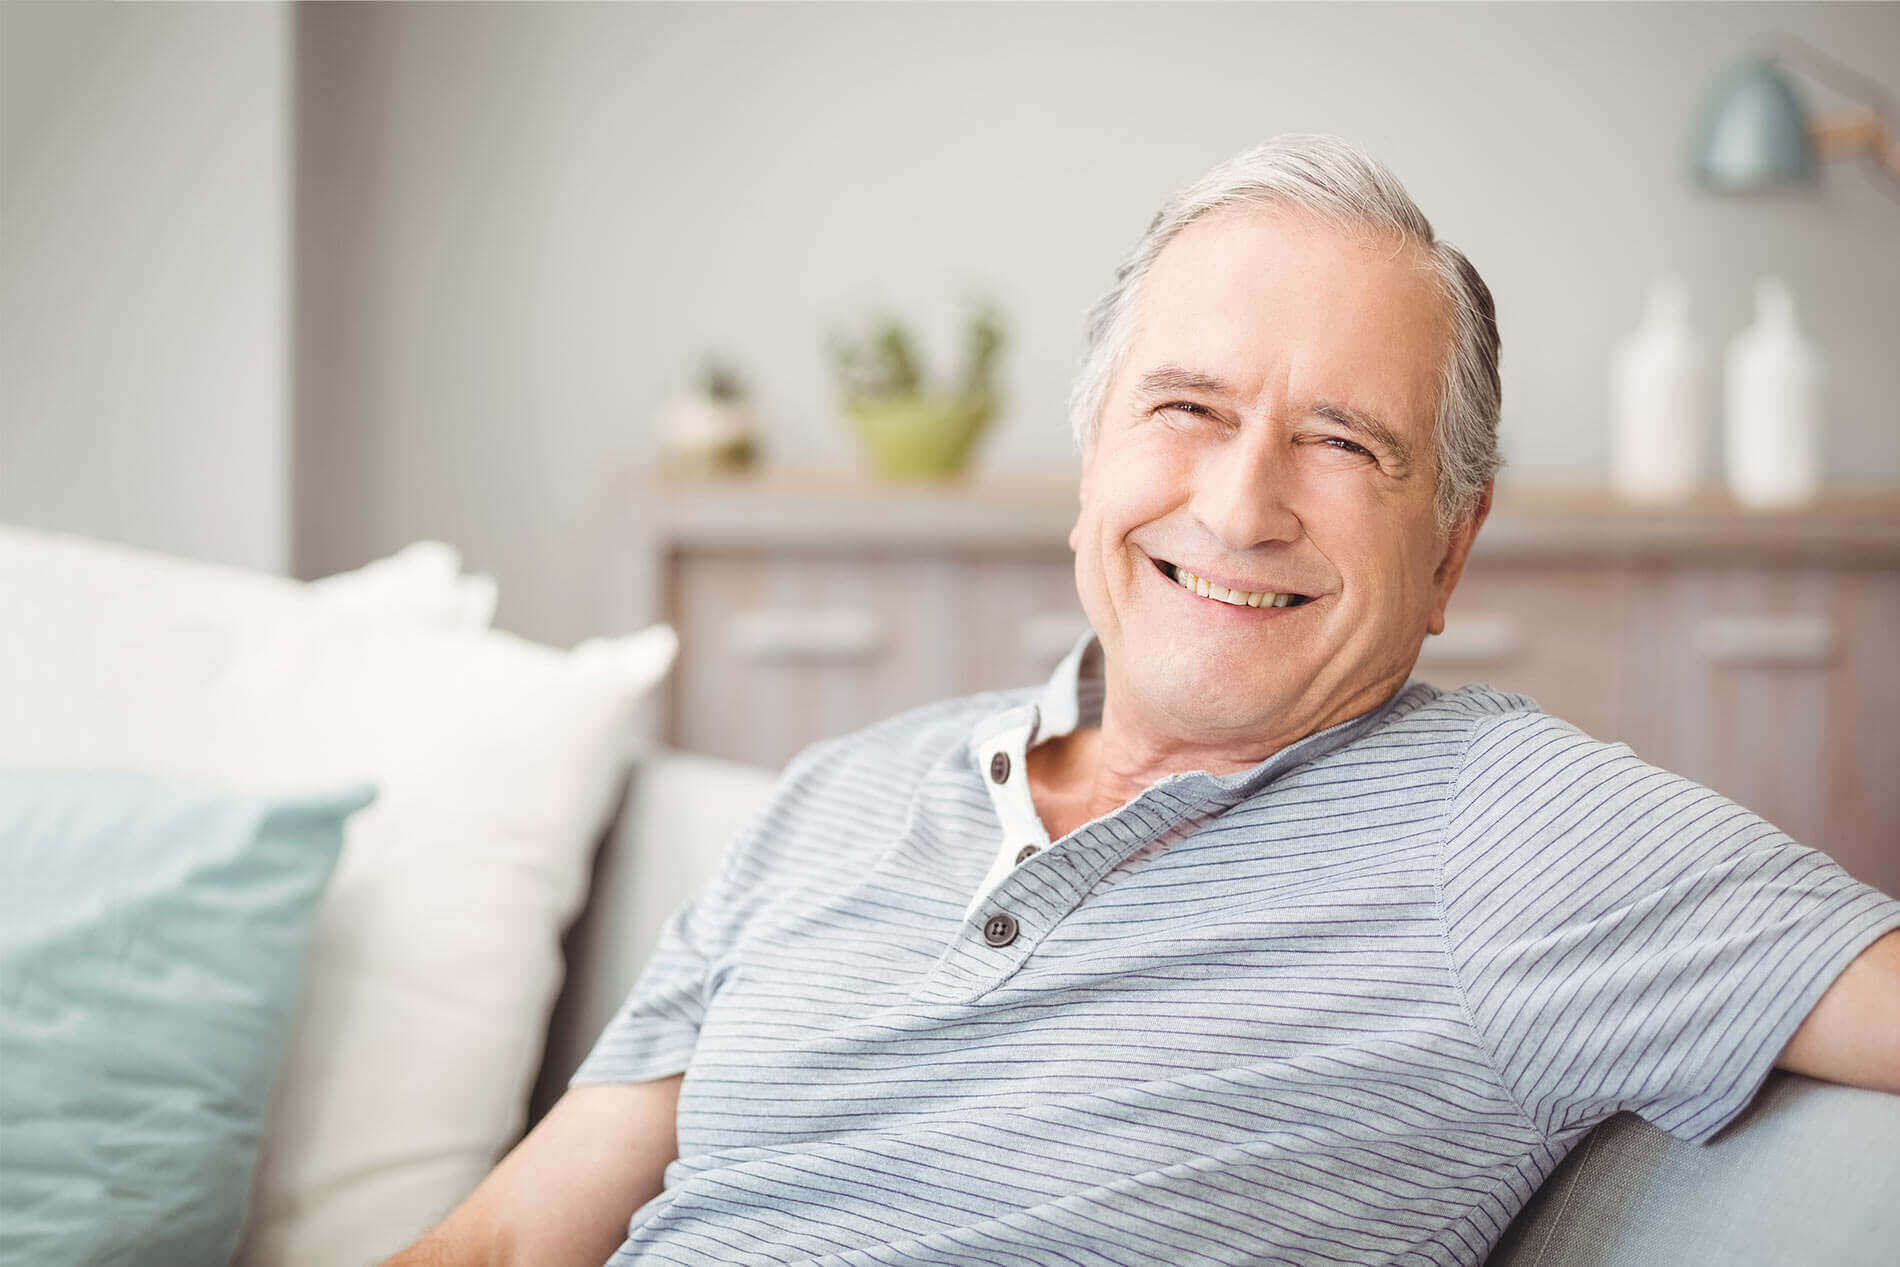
[513, 225]
[144, 318]
[521, 221]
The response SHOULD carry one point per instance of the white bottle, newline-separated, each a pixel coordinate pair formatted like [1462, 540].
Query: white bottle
[1661, 402]
[1774, 379]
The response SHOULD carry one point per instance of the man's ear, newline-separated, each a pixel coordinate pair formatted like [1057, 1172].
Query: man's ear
[1452, 565]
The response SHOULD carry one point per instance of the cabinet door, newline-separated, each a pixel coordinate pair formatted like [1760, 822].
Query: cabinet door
[779, 649]
[1547, 631]
[1018, 616]
[1863, 728]
[1775, 686]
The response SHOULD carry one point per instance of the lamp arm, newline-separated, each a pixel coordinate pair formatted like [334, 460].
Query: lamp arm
[1850, 132]
[1867, 131]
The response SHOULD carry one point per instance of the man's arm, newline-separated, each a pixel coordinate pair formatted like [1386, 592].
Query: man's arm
[565, 1193]
[1853, 1033]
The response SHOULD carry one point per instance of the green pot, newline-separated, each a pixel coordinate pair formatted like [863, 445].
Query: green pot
[920, 437]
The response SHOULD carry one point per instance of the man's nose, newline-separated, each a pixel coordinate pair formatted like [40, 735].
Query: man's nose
[1243, 489]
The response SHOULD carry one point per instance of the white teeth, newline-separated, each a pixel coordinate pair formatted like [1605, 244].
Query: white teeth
[1237, 598]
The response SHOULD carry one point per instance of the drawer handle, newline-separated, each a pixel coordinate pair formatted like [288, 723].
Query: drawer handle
[1473, 638]
[1800, 638]
[838, 634]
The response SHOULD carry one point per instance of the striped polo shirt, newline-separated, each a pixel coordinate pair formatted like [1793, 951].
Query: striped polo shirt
[1350, 1005]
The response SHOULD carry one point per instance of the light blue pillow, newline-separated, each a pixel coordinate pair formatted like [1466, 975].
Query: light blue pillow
[152, 941]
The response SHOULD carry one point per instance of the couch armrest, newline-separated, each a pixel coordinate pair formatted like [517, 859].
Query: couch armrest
[1807, 1174]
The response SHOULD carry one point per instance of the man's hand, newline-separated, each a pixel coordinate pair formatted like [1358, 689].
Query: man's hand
[1853, 1033]
[565, 1193]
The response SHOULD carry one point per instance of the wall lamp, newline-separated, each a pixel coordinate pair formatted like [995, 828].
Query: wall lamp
[1755, 134]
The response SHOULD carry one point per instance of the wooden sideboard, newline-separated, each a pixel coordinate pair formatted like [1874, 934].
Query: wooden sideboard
[1751, 651]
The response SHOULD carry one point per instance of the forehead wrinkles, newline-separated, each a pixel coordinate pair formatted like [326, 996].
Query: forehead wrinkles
[1177, 312]
[1257, 273]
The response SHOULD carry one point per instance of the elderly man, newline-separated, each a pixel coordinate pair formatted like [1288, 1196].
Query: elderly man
[1231, 943]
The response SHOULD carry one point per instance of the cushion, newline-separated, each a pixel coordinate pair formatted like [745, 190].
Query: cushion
[109, 650]
[152, 939]
[435, 954]
[1806, 1174]
[419, 583]
[437, 958]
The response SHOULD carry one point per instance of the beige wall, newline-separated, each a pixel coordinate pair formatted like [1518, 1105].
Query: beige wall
[513, 225]
[144, 280]
[520, 221]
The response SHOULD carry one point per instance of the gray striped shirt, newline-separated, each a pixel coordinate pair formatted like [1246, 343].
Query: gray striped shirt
[1351, 1005]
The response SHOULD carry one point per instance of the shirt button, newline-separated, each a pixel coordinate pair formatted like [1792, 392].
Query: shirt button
[999, 767]
[1000, 931]
[1026, 852]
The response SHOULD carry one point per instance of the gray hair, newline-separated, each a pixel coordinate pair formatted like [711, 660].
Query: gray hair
[1335, 181]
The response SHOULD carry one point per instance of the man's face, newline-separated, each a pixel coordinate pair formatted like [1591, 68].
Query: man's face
[1253, 479]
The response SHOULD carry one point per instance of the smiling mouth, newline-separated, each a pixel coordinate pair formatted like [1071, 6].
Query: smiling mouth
[1235, 598]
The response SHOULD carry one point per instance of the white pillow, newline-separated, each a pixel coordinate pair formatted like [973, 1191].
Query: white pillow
[436, 957]
[420, 583]
[107, 651]
[436, 954]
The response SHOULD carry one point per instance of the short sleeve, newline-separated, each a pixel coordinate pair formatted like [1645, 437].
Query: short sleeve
[1628, 939]
[654, 1032]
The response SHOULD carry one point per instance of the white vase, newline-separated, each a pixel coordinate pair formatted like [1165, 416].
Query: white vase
[1661, 401]
[1773, 379]
[701, 431]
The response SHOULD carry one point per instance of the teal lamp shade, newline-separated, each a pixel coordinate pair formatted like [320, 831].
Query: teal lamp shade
[1753, 133]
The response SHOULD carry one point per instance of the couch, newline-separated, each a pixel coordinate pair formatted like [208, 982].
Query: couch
[284, 872]
[154, 1051]
[1809, 1174]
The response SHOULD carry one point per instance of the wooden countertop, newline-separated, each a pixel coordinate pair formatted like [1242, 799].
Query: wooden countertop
[831, 507]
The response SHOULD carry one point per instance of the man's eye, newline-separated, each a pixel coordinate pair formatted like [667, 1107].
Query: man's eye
[1189, 407]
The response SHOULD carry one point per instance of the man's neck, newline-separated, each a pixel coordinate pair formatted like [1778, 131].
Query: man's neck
[1095, 770]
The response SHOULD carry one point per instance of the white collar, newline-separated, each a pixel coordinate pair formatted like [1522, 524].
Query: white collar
[1072, 697]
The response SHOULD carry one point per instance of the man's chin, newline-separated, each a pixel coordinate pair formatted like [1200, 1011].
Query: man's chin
[1196, 687]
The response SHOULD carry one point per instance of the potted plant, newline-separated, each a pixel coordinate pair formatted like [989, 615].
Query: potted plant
[912, 429]
[710, 428]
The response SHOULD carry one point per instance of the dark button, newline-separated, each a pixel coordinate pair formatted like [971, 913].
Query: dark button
[1000, 931]
[999, 767]
[1027, 852]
